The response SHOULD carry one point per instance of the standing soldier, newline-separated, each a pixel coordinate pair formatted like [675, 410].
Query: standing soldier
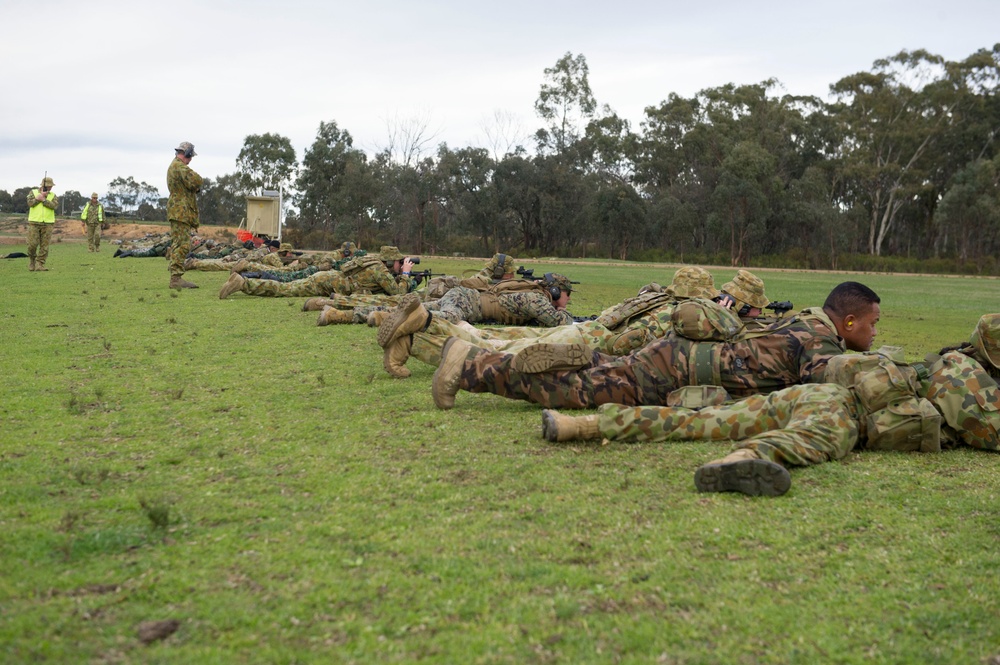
[182, 212]
[41, 218]
[93, 217]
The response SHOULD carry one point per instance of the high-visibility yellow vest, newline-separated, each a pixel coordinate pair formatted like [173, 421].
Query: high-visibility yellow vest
[100, 213]
[39, 213]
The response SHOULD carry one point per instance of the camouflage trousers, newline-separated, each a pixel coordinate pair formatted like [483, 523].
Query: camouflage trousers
[645, 376]
[180, 245]
[147, 252]
[324, 283]
[266, 272]
[427, 345]
[797, 426]
[458, 304]
[94, 236]
[213, 265]
[363, 304]
[39, 236]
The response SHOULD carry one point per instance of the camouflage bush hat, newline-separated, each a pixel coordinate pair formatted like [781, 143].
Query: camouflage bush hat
[349, 247]
[693, 282]
[185, 147]
[286, 247]
[562, 281]
[747, 288]
[47, 182]
[94, 195]
[986, 338]
[388, 254]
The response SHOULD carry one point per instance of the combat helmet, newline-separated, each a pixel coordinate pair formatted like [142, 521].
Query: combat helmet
[748, 289]
[986, 338]
[693, 282]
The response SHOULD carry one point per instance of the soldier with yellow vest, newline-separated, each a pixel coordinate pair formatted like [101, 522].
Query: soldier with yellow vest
[41, 218]
[92, 217]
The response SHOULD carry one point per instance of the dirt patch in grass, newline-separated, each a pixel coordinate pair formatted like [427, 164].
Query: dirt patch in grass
[13, 232]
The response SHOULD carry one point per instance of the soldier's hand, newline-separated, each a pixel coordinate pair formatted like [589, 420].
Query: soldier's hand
[407, 265]
[727, 301]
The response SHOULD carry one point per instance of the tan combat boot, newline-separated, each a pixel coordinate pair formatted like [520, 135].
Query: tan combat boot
[410, 317]
[233, 284]
[240, 266]
[40, 267]
[549, 356]
[333, 315]
[743, 471]
[395, 357]
[316, 304]
[449, 372]
[31, 265]
[558, 427]
[376, 318]
[178, 282]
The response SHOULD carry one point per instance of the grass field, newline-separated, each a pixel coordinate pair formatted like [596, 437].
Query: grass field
[229, 465]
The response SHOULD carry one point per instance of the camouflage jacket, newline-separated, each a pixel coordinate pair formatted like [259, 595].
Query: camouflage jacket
[184, 185]
[377, 279]
[530, 308]
[795, 351]
[968, 399]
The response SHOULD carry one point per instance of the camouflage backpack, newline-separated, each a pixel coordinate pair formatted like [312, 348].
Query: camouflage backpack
[516, 286]
[438, 286]
[894, 416]
[705, 321]
[359, 263]
[640, 304]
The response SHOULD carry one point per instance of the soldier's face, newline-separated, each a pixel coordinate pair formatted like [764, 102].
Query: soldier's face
[860, 330]
[562, 301]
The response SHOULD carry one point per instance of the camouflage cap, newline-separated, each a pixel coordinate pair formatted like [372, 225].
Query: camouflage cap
[47, 182]
[693, 282]
[747, 288]
[285, 247]
[349, 247]
[94, 195]
[986, 338]
[562, 281]
[388, 254]
[186, 146]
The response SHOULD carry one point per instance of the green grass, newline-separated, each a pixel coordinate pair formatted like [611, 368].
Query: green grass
[230, 465]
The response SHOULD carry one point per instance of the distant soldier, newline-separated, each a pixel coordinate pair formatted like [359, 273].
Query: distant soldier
[793, 351]
[182, 211]
[93, 217]
[875, 402]
[387, 272]
[42, 205]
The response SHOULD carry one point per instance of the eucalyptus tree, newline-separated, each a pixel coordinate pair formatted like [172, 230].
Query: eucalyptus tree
[970, 213]
[266, 161]
[467, 181]
[336, 189]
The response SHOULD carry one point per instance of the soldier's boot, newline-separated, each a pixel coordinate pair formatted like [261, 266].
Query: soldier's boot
[743, 471]
[240, 266]
[40, 266]
[31, 264]
[558, 427]
[376, 318]
[189, 263]
[178, 282]
[316, 304]
[449, 372]
[395, 357]
[331, 315]
[550, 356]
[410, 317]
[118, 252]
[233, 284]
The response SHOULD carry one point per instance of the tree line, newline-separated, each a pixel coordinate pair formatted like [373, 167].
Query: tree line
[899, 168]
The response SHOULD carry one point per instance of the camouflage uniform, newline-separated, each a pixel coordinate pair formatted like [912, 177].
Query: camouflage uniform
[93, 217]
[615, 332]
[182, 211]
[373, 279]
[812, 424]
[41, 219]
[794, 352]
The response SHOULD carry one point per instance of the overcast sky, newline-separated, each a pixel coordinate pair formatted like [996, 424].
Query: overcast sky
[101, 89]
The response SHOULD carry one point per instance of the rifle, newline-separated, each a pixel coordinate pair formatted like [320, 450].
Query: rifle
[424, 274]
[584, 319]
[780, 308]
[527, 273]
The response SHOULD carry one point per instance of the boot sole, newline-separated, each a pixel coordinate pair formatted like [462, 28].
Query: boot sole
[387, 331]
[751, 477]
[550, 432]
[547, 357]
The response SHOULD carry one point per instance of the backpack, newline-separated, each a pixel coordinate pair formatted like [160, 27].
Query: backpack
[627, 309]
[359, 263]
[516, 286]
[438, 286]
[893, 415]
[705, 321]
